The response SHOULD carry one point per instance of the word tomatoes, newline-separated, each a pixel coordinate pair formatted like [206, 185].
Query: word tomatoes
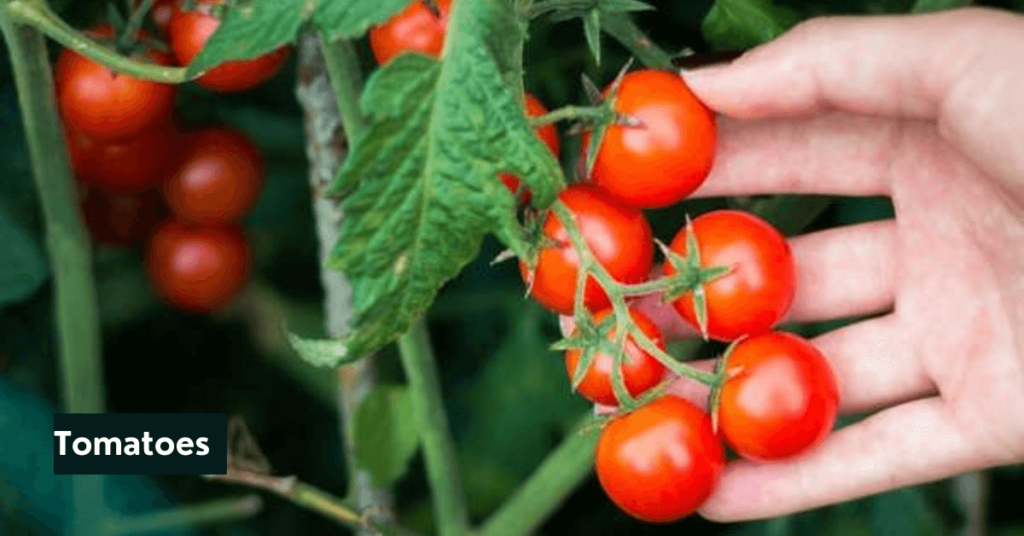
[189, 30]
[667, 151]
[640, 370]
[198, 268]
[781, 397]
[417, 28]
[759, 287]
[218, 177]
[106, 105]
[660, 462]
[619, 237]
[546, 133]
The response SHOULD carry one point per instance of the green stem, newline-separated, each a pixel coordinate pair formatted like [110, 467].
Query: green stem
[592, 113]
[186, 517]
[347, 81]
[624, 30]
[37, 14]
[131, 29]
[77, 317]
[438, 449]
[542, 494]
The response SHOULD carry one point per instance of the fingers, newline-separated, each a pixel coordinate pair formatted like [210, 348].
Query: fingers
[909, 444]
[891, 66]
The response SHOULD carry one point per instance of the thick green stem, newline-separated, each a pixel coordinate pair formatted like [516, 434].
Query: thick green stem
[186, 517]
[592, 113]
[37, 14]
[438, 449]
[77, 315]
[347, 81]
[624, 30]
[543, 493]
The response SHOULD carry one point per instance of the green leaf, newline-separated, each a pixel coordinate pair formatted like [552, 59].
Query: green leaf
[352, 18]
[386, 434]
[321, 352]
[926, 6]
[250, 29]
[623, 6]
[592, 31]
[423, 180]
[22, 265]
[745, 23]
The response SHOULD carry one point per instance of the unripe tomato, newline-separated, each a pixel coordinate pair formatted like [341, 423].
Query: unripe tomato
[106, 105]
[759, 289]
[121, 219]
[198, 268]
[219, 176]
[188, 32]
[130, 165]
[640, 370]
[668, 154]
[417, 28]
[781, 397]
[547, 134]
[619, 236]
[661, 462]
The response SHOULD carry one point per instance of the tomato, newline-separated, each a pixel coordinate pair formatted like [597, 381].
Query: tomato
[547, 134]
[130, 165]
[660, 462]
[619, 236]
[640, 370]
[121, 219]
[759, 289]
[219, 176]
[188, 31]
[781, 399]
[668, 155]
[161, 12]
[198, 268]
[417, 28]
[103, 104]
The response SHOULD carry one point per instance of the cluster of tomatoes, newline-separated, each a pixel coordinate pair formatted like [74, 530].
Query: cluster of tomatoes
[145, 178]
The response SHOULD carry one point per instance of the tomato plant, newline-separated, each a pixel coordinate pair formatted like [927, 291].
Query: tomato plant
[198, 268]
[547, 133]
[664, 149]
[128, 165]
[660, 462]
[619, 236]
[102, 104]
[640, 370]
[218, 176]
[419, 28]
[758, 289]
[781, 397]
[189, 30]
[121, 219]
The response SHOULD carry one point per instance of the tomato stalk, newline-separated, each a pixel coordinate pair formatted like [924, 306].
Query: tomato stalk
[131, 29]
[186, 517]
[595, 114]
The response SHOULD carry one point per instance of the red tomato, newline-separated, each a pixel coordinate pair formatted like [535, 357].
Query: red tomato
[414, 29]
[758, 291]
[619, 236]
[130, 165]
[660, 462]
[640, 370]
[121, 219]
[103, 104]
[198, 268]
[668, 155]
[547, 134]
[781, 400]
[188, 32]
[161, 12]
[219, 176]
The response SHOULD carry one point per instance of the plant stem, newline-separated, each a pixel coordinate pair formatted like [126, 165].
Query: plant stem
[37, 14]
[347, 81]
[543, 493]
[186, 517]
[77, 316]
[624, 30]
[131, 29]
[438, 449]
[594, 113]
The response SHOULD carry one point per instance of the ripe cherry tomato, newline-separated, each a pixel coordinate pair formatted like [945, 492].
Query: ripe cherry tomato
[619, 236]
[161, 12]
[219, 176]
[640, 370]
[129, 165]
[121, 219]
[660, 462]
[106, 105]
[758, 291]
[781, 399]
[198, 268]
[668, 154]
[188, 31]
[547, 134]
[417, 28]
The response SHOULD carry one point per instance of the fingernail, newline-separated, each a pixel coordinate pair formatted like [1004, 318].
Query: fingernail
[697, 61]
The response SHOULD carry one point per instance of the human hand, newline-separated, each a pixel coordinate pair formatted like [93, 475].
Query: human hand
[924, 109]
